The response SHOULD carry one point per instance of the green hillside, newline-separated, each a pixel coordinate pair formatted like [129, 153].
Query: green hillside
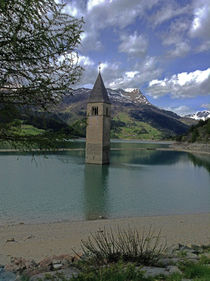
[125, 127]
[198, 133]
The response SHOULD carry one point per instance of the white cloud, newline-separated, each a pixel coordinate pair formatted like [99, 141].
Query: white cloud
[71, 10]
[100, 14]
[169, 11]
[181, 110]
[201, 23]
[133, 44]
[93, 3]
[85, 61]
[115, 76]
[117, 12]
[109, 71]
[204, 46]
[206, 106]
[131, 74]
[181, 49]
[133, 78]
[176, 31]
[182, 85]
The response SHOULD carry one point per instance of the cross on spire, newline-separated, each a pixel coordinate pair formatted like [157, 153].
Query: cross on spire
[99, 66]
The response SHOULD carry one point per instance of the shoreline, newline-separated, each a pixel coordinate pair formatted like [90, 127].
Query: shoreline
[40, 240]
[175, 148]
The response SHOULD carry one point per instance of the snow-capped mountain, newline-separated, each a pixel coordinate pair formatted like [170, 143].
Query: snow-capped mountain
[127, 96]
[200, 115]
[130, 95]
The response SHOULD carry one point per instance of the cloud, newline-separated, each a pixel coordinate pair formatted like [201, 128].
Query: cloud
[168, 11]
[176, 31]
[110, 71]
[93, 3]
[181, 110]
[89, 41]
[201, 23]
[100, 14]
[116, 12]
[182, 85]
[180, 50]
[133, 78]
[206, 106]
[204, 46]
[134, 44]
[85, 61]
[115, 76]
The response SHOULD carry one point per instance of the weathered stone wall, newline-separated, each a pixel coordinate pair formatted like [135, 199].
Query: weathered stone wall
[98, 134]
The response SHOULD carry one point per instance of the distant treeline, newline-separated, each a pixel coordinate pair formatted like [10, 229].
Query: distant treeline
[197, 133]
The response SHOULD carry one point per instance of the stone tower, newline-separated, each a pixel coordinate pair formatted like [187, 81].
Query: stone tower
[98, 124]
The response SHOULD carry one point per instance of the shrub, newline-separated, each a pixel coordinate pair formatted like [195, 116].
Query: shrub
[129, 245]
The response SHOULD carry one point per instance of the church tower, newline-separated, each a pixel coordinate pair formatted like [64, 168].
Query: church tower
[98, 124]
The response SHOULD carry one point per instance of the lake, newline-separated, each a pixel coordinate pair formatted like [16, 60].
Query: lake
[59, 186]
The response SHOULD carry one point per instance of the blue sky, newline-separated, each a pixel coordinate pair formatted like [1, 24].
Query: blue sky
[161, 47]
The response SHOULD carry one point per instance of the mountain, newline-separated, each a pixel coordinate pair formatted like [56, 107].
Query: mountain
[133, 116]
[200, 115]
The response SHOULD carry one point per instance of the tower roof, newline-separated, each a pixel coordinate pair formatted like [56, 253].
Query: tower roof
[99, 92]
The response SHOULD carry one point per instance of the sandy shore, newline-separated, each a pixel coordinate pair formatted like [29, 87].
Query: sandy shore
[37, 241]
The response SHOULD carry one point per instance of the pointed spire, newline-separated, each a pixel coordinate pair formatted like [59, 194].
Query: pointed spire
[99, 92]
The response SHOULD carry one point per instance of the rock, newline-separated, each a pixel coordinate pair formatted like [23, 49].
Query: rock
[7, 276]
[102, 217]
[170, 250]
[206, 247]
[56, 264]
[181, 246]
[10, 240]
[164, 262]
[207, 255]
[168, 261]
[191, 255]
[67, 273]
[196, 248]
[45, 265]
[173, 269]
[151, 271]
[29, 237]
[18, 265]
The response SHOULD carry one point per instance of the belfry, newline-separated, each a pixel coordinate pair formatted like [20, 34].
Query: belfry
[98, 124]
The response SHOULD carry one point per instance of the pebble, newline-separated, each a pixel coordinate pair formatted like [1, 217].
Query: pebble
[10, 240]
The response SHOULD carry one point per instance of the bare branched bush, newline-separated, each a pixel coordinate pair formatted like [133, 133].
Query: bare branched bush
[128, 245]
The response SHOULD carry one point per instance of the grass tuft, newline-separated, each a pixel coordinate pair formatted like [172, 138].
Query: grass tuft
[114, 272]
[196, 271]
[126, 245]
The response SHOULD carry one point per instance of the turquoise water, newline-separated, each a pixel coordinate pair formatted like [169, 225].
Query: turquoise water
[59, 186]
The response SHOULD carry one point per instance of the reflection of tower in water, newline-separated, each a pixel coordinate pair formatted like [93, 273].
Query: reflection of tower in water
[95, 191]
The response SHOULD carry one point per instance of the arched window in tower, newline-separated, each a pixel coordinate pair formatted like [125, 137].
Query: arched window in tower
[107, 111]
[95, 110]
